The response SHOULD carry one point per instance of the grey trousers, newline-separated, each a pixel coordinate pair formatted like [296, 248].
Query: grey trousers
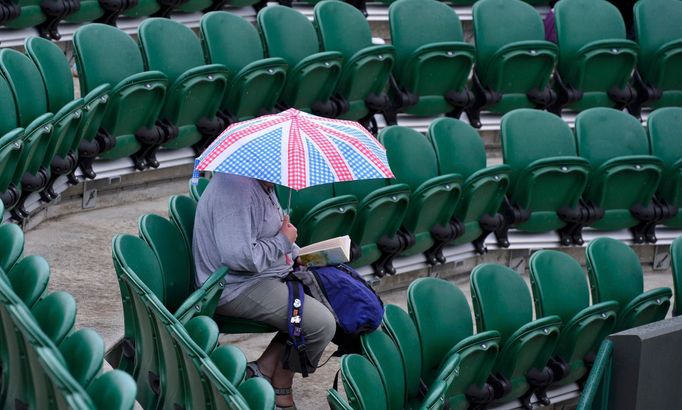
[267, 302]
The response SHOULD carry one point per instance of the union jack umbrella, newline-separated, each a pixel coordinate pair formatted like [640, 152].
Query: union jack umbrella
[296, 150]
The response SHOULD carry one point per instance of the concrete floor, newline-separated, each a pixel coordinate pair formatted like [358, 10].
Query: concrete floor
[78, 248]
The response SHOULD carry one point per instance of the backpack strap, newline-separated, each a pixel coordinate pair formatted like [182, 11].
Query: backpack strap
[296, 339]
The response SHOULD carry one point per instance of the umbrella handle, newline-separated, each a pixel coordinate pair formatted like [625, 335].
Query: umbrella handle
[288, 210]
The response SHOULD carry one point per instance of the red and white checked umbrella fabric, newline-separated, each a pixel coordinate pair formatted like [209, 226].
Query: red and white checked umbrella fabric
[296, 150]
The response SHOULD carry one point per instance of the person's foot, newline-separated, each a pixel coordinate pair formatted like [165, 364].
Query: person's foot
[253, 369]
[284, 399]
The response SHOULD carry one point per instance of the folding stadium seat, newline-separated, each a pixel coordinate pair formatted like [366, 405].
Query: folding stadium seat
[28, 278]
[195, 191]
[312, 75]
[113, 390]
[55, 315]
[317, 213]
[426, 227]
[11, 245]
[442, 317]
[432, 60]
[195, 90]
[502, 302]
[129, 126]
[56, 73]
[595, 60]
[547, 178]
[366, 68]
[514, 62]
[616, 274]
[106, 12]
[676, 262]
[560, 288]
[380, 212]
[44, 16]
[256, 82]
[181, 211]
[659, 36]
[83, 353]
[360, 380]
[624, 175]
[663, 126]
[460, 150]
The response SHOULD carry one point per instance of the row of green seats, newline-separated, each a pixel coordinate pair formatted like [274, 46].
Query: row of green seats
[45, 362]
[511, 356]
[44, 130]
[591, 65]
[175, 358]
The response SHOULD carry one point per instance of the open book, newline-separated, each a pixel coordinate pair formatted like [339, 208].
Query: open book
[330, 252]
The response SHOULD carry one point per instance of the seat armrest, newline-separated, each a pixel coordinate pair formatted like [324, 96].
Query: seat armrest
[381, 52]
[271, 63]
[149, 79]
[326, 58]
[614, 46]
[204, 300]
[96, 93]
[435, 396]
[501, 171]
[215, 71]
[336, 402]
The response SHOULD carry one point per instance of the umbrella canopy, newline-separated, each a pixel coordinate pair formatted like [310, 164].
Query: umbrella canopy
[296, 150]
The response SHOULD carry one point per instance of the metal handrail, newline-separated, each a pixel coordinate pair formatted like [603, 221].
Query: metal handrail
[598, 383]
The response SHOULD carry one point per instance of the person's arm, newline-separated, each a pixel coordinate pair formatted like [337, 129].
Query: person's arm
[239, 248]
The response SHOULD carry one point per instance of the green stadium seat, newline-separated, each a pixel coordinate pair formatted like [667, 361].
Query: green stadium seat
[663, 127]
[676, 262]
[129, 125]
[11, 245]
[616, 274]
[560, 288]
[366, 67]
[43, 16]
[547, 178]
[595, 59]
[83, 352]
[153, 8]
[443, 320]
[56, 74]
[514, 62]
[502, 302]
[660, 50]
[231, 363]
[317, 213]
[181, 211]
[195, 191]
[255, 82]
[312, 75]
[380, 212]
[624, 175]
[432, 60]
[113, 390]
[28, 278]
[426, 227]
[195, 90]
[16, 378]
[11, 145]
[55, 315]
[460, 150]
[94, 11]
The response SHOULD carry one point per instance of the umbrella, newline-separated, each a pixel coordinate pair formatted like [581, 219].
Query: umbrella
[296, 150]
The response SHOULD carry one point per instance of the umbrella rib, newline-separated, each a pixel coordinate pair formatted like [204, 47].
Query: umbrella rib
[336, 161]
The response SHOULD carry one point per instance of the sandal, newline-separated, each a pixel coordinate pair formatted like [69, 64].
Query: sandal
[283, 391]
[256, 372]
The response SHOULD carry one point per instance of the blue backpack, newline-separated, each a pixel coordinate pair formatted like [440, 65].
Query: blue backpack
[354, 304]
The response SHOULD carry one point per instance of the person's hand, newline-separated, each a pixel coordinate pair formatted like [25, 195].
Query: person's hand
[289, 230]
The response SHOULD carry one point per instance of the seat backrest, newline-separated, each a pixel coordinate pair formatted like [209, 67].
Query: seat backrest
[342, 28]
[501, 299]
[83, 352]
[170, 47]
[656, 23]
[442, 316]
[605, 133]
[26, 84]
[55, 315]
[559, 285]
[459, 149]
[529, 135]
[287, 34]
[55, 70]
[195, 190]
[360, 380]
[410, 155]
[29, 278]
[167, 243]
[8, 108]
[615, 271]
[114, 390]
[382, 351]
[11, 245]
[231, 362]
[415, 23]
[676, 262]
[136, 257]
[398, 324]
[109, 64]
[663, 126]
[181, 210]
[580, 22]
[230, 40]
[501, 22]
